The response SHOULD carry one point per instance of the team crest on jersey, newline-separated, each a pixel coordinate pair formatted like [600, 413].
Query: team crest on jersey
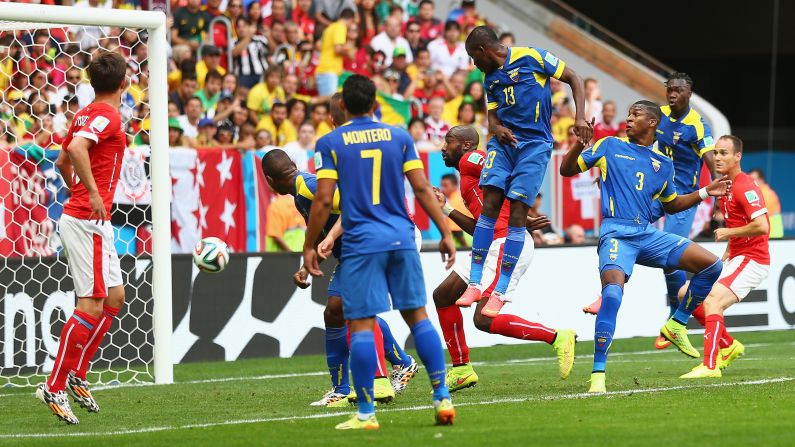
[752, 197]
[677, 135]
[318, 161]
[475, 158]
[514, 74]
[655, 164]
[99, 124]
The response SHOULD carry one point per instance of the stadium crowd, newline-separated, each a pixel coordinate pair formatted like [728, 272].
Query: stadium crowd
[255, 74]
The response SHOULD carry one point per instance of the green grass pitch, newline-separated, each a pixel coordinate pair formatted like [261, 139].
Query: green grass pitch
[519, 399]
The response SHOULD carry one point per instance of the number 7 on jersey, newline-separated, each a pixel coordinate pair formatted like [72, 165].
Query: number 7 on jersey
[375, 154]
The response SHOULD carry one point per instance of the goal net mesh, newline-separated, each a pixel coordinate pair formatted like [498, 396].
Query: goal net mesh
[44, 83]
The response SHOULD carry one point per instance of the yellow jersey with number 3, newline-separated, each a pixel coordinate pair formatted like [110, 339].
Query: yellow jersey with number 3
[368, 159]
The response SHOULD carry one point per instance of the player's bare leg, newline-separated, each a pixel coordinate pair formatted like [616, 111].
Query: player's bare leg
[461, 375]
[481, 241]
[706, 268]
[716, 336]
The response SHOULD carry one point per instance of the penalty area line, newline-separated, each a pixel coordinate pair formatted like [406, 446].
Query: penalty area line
[391, 410]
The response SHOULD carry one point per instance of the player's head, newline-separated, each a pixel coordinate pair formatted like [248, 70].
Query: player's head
[358, 95]
[279, 171]
[458, 141]
[642, 119]
[336, 110]
[107, 73]
[728, 154]
[482, 45]
[678, 88]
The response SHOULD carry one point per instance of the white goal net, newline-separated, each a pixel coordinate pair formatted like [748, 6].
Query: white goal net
[43, 84]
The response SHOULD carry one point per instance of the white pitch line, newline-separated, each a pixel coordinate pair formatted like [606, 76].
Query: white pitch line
[389, 410]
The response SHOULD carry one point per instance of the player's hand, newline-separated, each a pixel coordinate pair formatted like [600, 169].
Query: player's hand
[720, 187]
[300, 278]
[584, 131]
[97, 208]
[325, 247]
[722, 234]
[537, 223]
[439, 196]
[447, 249]
[504, 135]
[311, 263]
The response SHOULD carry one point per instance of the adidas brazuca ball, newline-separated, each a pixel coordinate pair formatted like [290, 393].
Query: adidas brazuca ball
[211, 255]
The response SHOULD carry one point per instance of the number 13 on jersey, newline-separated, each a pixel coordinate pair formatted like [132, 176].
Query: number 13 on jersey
[375, 154]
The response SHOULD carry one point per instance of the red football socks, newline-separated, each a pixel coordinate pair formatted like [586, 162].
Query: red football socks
[95, 340]
[698, 314]
[452, 323]
[714, 328]
[74, 338]
[516, 327]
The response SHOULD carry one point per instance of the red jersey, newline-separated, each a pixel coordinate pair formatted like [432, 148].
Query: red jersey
[743, 204]
[100, 123]
[470, 166]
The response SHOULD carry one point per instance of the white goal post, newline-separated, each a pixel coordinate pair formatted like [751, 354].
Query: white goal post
[31, 15]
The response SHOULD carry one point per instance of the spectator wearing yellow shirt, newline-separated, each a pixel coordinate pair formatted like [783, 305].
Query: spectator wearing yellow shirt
[455, 87]
[263, 95]
[211, 60]
[332, 51]
[320, 120]
[450, 190]
[772, 202]
[284, 226]
[278, 125]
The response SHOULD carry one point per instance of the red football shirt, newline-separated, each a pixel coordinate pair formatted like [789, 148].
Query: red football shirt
[100, 123]
[470, 166]
[743, 204]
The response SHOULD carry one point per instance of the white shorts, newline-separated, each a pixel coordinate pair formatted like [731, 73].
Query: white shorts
[490, 268]
[91, 255]
[742, 274]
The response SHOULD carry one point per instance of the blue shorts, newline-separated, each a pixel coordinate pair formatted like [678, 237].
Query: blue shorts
[334, 283]
[622, 244]
[680, 223]
[518, 171]
[368, 281]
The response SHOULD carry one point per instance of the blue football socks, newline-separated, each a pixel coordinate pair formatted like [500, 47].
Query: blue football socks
[392, 350]
[606, 324]
[700, 286]
[363, 366]
[481, 241]
[673, 282]
[337, 358]
[514, 244]
[429, 347]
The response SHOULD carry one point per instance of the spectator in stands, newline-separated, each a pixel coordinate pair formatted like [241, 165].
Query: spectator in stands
[296, 113]
[399, 65]
[622, 130]
[430, 26]
[475, 94]
[299, 150]
[213, 8]
[413, 38]
[334, 47]
[278, 125]
[450, 190]
[207, 131]
[277, 39]
[329, 11]
[355, 60]
[211, 92]
[390, 85]
[223, 108]
[263, 95]
[448, 53]
[420, 138]
[432, 87]
[278, 13]
[469, 17]
[189, 121]
[234, 11]
[435, 127]
[508, 39]
[249, 54]
[606, 128]
[772, 203]
[571, 139]
[175, 138]
[561, 121]
[466, 117]
[421, 64]
[254, 15]
[284, 226]
[263, 139]
[190, 24]
[225, 135]
[368, 23]
[211, 60]
[389, 39]
[187, 88]
[229, 84]
[303, 18]
[575, 234]
[593, 100]
[182, 60]
[173, 109]
[454, 86]
[320, 119]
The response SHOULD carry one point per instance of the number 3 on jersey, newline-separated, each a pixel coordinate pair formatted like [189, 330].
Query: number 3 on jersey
[375, 154]
[490, 159]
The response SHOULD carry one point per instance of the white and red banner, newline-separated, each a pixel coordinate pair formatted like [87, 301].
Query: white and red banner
[134, 188]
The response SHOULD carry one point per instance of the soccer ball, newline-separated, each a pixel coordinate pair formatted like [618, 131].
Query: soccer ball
[211, 255]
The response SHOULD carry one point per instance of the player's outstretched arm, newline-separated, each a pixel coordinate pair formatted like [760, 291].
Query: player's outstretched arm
[318, 215]
[581, 128]
[570, 166]
[81, 163]
[758, 226]
[466, 223]
[719, 187]
[424, 195]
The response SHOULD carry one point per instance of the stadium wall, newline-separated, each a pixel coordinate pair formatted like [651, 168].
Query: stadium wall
[252, 309]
